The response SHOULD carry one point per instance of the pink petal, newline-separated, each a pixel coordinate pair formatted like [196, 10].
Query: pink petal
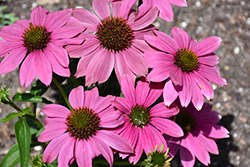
[211, 74]
[122, 68]
[146, 20]
[122, 105]
[173, 145]
[101, 7]
[115, 8]
[209, 59]
[52, 131]
[27, 71]
[187, 157]
[176, 75]
[66, 153]
[185, 94]
[207, 116]
[89, 19]
[82, 153]
[166, 11]
[155, 58]
[90, 97]
[77, 97]
[181, 3]
[67, 32]
[141, 44]
[172, 45]
[197, 97]
[126, 134]
[105, 150]
[38, 16]
[88, 46]
[213, 131]
[54, 147]
[160, 110]
[111, 119]
[55, 110]
[135, 61]
[13, 60]
[138, 152]
[126, 8]
[170, 93]
[102, 103]
[142, 90]
[9, 46]
[159, 74]
[54, 120]
[43, 68]
[59, 53]
[207, 45]
[167, 126]
[155, 92]
[115, 141]
[181, 37]
[57, 19]
[128, 89]
[100, 67]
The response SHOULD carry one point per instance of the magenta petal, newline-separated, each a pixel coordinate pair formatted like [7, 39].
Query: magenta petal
[166, 11]
[167, 126]
[120, 107]
[43, 68]
[115, 8]
[213, 131]
[126, 8]
[77, 97]
[111, 119]
[102, 102]
[115, 141]
[197, 97]
[158, 74]
[54, 147]
[142, 90]
[9, 46]
[126, 134]
[54, 120]
[12, 60]
[67, 32]
[173, 145]
[209, 59]
[169, 93]
[90, 97]
[100, 67]
[82, 153]
[66, 153]
[155, 59]
[27, 71]
[101, 7]
[128, 89]
[55, 110]
[38, 16]
[185, 94]
[147, 139]
[105, 150]
[181, 3]
[138, 152]
[176, 76]
[57, 19]
[52, 131]
[155, 92]
[146, 20]
[59, 53]
[207, 45]
[181, 37]
[187, 157]
[160, 110]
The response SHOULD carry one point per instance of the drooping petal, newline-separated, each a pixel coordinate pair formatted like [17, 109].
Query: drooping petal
[176, 76]
[77, 97]
[59, 53]
[173, 145]
[166, 11]
[54, 147]
[155, 92]
[187, 157]
[115, 141]
[66, 153]
[101, 7]
[185, 94]
[126, 7]
[122, 105]
[207, 45]
[170, 93]
[82, 153]
[52, 131]
[213, 131]
[38, 16]
[128, 89]
[159, 74]
[55, 110]
[57, 19]
[209, 59]
[12, 60]
[197, 97]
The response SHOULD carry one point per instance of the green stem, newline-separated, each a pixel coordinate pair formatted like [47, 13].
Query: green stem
[73, 78]
[62, 92]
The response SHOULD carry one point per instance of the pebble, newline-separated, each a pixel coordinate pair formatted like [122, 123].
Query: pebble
[38, 148]
[237, 50]
[248, 21]
[198, 4]
[214, 86]
[218, 105]
[183, 24]
[226, 68]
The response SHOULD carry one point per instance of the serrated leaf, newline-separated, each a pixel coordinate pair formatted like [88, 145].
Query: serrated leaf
[23, 137]
[12, 158]
[10, 117]
[28, 97]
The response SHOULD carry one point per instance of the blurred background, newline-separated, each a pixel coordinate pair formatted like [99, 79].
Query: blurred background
[228, 19]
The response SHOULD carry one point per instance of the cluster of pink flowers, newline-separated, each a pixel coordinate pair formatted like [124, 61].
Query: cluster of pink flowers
[118, 37]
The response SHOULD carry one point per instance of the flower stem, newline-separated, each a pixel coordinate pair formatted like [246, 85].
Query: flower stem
[62, 92]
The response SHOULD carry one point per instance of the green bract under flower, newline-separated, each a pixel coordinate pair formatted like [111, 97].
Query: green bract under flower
[157, 158]
[139, 116]
[186, 121]
[4, 93]
[114, 34]
[82, 123]
[36, 37]
[186, 60]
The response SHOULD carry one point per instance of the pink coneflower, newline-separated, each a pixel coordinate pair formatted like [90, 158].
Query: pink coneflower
[39, 44]
[84, 132]
[164, 6]
[200, 129]
[115, 41]
[144, 126]
[189, 65]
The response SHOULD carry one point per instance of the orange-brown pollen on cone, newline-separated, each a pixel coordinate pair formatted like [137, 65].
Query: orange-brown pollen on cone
[36, 37]
[186, 60]
[114, 34]
[82, 123]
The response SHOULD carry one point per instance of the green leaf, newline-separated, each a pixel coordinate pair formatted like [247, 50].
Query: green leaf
[23, 137]
[12, 158]
[28, 97]
[10, 117]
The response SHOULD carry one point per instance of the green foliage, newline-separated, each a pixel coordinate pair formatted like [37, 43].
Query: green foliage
[12, 158]
[6, 18]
